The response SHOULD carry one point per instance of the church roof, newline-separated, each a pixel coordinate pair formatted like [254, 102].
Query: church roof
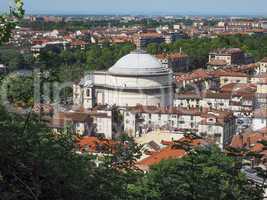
[138, 63]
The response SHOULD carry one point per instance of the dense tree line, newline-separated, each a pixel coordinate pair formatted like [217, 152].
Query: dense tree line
[90, 24]
[199, 48]
[15, 60]
[96, 57]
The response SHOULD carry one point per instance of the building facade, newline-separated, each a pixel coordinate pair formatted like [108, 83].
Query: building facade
[137, 78]
[216, 126]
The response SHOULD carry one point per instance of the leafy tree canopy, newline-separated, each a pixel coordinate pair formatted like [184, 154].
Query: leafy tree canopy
[204, 174]
[9, 21]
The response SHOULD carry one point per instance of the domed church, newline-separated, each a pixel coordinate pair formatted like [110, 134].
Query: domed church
[137, 78]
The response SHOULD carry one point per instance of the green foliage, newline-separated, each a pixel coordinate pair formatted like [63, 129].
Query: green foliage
[96, 23]
[153, 48]
[8, 22]
[70, 65]
[126, 154]
[20, 90]
[15, 60]
[203, 174]
[198, 49]
[36, 164]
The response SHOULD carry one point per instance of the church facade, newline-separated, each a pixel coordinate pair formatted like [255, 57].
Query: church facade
[137, 78]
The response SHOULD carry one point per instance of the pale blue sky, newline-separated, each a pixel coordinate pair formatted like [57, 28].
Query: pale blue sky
[230, 7]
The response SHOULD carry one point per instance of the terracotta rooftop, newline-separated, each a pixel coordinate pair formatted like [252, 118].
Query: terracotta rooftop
[249, 140]
[164, 154]
[150, 35]
[230, 73]
[217, 95]
[201, 74]
[94, 144]
[79, 116]
[221, 117]
[239, 87]
[165, 110]
[169, 152]
[195, 75]
[217, 62]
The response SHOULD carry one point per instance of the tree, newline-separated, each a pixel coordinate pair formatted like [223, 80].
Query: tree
[206, 173]
[37, 164]
[153, 48]
[9, 21]
[20, 90]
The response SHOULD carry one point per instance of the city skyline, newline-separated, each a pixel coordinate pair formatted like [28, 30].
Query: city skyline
[160, 7]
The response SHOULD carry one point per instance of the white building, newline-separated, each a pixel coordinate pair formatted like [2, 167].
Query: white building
[84, 122]
[262, 66]
[237, 98]
[137, 78]
[143, 119]
[259, 120]
[216, 126]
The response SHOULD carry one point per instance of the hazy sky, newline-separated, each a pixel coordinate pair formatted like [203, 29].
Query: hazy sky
[232, 7]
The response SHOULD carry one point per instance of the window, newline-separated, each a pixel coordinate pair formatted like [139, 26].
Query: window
[217, 135]
[209, 128]
[203, 134]
[88, 93]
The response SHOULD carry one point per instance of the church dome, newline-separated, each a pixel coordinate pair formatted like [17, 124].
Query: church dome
[138, 63]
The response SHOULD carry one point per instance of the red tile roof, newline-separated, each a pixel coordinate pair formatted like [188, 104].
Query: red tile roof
[249, 140]
[169, 152]
[150, 35]
[217, 62]
[164, 154]
[239, 87]
[95, 145]
[165, 110]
